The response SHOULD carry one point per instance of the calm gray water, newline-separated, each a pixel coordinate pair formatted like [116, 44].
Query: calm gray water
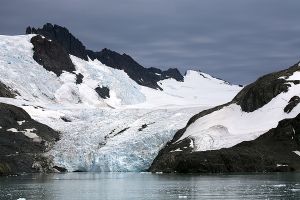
[75, 186]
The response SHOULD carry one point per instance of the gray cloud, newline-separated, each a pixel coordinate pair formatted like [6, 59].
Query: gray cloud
[233, 39]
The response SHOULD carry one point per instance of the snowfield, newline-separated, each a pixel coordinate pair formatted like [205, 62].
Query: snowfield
[121, 133]
[198, 89]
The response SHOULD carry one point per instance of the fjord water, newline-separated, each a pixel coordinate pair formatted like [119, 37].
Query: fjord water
[82, 186]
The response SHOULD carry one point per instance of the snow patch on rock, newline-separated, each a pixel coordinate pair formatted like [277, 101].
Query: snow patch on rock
[27, 132]
[297, 152]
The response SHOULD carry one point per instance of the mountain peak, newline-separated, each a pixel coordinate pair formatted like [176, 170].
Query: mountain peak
[63, 36]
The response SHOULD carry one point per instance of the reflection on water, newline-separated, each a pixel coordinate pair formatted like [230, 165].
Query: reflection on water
[150, 186]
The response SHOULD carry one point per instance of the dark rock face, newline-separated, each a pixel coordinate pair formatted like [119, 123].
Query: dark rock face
[7, 92]
[293, 102]
[51, 55]
[103, 92]
[79, 78]
[271, 152]
[169, 73]
[61, 35]
[19, 153]
[172, 73]
[263, 90]
[143, 76]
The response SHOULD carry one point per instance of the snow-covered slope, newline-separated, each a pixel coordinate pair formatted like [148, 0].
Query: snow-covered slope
[231, 125]
[197, 89]
[34, 83]
[121, 133]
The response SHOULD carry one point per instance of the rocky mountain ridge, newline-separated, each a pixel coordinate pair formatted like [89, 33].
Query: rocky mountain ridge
[143, 76]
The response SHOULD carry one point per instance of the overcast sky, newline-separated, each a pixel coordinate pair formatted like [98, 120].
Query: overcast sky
[236, 40]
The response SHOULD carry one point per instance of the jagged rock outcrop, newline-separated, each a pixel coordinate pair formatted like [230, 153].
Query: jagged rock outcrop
[143, 76]
[23, 142]
[51, 55]
[172, 73]
[79, 78]
[293, 102]
[61, 35]
[169, 73]
[103, 92]
[275, 150]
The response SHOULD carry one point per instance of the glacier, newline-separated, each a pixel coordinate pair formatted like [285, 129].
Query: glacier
[115, 140]
[122, 133]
